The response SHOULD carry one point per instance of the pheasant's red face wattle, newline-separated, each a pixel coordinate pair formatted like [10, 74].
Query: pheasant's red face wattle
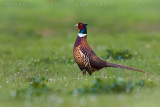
[80, 25]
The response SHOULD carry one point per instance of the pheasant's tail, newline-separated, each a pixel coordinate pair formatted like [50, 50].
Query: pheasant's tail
[122, 66]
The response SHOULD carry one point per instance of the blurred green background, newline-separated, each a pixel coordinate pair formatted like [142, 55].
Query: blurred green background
[37, 38]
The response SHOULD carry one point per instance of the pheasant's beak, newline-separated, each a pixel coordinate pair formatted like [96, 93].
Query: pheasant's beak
[76, 25]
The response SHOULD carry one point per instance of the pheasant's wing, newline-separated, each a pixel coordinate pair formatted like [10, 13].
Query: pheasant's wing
[90, 58]
[96, 62]
[85, 58]
[86, 53]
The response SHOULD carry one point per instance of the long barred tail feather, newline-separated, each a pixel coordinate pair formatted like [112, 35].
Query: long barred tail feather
[122, 66]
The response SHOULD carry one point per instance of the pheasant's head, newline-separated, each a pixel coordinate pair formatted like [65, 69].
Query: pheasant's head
[82, 27]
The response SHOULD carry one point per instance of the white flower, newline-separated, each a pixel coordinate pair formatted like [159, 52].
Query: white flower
[60, 100]
[120, 79]
[66, 85]
[72, 60]
[13, 93]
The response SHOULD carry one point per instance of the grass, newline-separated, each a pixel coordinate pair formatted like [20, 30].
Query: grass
[36, 39]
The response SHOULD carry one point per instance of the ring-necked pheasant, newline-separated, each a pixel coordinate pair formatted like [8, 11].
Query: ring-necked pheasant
[86, 58]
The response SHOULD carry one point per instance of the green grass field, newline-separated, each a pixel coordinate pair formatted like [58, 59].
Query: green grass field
[37, 38]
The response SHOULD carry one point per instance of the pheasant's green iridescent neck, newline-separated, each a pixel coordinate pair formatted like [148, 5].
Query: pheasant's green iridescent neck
[84, 30]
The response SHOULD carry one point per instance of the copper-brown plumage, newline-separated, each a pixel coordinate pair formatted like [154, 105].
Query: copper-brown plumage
[86, 58]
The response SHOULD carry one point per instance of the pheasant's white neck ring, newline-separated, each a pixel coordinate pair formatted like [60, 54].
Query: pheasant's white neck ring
[82, 35]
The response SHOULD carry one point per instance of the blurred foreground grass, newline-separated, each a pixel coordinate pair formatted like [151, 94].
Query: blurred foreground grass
[36, 38]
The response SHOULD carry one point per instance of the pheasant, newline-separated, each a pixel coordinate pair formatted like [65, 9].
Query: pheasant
[86, 58]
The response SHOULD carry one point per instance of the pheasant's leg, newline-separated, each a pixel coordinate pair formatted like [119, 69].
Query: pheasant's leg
[89, 72]
[84, 72]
